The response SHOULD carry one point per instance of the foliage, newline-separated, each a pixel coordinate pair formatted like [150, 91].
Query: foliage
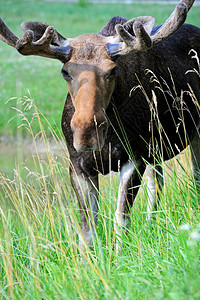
[39, 252]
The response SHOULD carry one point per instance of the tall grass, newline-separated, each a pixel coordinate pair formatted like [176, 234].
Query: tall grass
[39, 252]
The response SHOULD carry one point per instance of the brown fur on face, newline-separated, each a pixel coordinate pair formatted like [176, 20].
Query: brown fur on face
[91, 85]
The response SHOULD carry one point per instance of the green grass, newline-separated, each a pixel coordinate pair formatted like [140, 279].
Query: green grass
[41, 77]
[39, 253]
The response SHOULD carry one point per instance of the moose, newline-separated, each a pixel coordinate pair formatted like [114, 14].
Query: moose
[133, 101]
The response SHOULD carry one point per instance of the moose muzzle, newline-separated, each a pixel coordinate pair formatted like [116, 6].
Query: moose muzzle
[89, 134]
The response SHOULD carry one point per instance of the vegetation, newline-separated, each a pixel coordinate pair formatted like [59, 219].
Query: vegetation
[39, 252]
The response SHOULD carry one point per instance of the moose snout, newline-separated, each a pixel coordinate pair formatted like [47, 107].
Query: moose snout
[89, 136]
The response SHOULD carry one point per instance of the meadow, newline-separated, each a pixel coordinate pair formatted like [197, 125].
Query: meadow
[39, 219]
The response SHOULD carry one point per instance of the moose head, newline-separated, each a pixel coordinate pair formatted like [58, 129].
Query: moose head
[89, 64]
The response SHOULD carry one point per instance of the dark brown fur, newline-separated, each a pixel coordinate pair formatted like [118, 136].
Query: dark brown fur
[168, 61]
[153, 115]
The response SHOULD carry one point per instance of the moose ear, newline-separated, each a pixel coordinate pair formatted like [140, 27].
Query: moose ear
[38, 29]
[147, 22]
[109, 28]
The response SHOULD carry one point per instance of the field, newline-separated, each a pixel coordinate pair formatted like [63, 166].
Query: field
[39, 253]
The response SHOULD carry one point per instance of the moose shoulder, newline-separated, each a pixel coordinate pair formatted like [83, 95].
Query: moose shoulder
[134, 93]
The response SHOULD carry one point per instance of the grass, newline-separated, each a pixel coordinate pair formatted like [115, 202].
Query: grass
[41, 77]
[39, 253]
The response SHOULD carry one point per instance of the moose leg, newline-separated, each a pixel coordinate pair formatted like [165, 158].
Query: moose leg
[86, 189]
[154, 182]
[130, 178]
[195, 157]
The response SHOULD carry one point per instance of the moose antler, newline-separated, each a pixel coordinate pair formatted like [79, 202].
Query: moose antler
[174, 22]
[6, 35]
[126, 43]
[39, 39]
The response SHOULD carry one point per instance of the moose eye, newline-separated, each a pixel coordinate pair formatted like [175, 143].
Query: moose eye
[66, 75]
[111, 73]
